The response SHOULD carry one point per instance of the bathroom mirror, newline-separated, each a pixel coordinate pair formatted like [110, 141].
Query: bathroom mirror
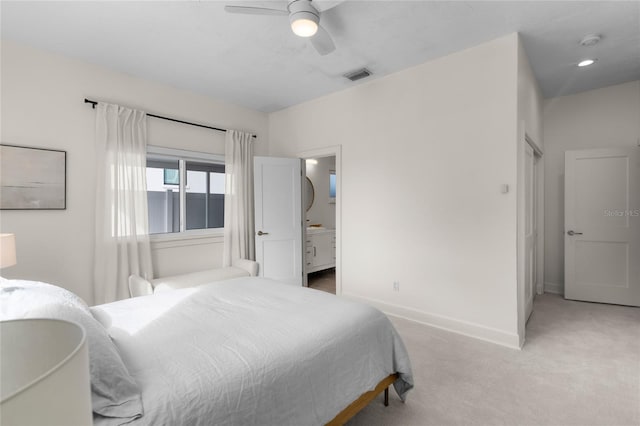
[310, 193]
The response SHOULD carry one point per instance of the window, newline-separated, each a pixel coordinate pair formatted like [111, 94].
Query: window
[185, 191]
[332, 186]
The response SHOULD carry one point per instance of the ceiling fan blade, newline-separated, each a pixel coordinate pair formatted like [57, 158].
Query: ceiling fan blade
[322, 42]
[250, 10]
[322, 5]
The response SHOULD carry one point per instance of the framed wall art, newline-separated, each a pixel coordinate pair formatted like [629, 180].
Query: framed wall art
[32, 178]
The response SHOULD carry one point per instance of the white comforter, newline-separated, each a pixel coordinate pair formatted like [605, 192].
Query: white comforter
[252, 351]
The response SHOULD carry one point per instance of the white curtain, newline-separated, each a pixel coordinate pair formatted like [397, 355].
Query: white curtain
[238, 198]
[122, 230]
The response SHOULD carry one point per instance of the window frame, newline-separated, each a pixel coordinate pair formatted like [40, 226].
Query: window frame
[182, 156]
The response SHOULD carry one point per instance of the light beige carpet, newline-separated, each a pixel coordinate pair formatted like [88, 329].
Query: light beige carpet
[580, 366]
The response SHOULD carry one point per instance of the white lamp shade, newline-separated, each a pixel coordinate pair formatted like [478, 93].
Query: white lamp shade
[45, 373]
[7, 250]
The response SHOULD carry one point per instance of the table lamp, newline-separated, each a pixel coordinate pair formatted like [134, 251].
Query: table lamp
[7, 250]
[45, 373]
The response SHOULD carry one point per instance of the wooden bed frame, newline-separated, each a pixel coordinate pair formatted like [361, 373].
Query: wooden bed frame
[364, 399]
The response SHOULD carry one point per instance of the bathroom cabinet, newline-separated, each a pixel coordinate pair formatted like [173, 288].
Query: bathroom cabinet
[320, 250]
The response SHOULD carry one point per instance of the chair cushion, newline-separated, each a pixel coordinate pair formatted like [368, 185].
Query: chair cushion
[138, 286]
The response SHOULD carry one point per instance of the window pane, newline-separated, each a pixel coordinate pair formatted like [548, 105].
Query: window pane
[163, 200]
[216, 183]
[216, 199]
[205, 201]
[171, 177]
[196, 181]
[332, 185]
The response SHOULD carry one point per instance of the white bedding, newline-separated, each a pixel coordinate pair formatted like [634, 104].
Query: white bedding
[252, 351]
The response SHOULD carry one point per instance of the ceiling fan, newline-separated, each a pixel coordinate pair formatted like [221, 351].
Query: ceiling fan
[304, 16]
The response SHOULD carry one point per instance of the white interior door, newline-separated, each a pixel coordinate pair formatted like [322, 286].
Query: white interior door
[278, 208]
[530, 234]
[602, 225]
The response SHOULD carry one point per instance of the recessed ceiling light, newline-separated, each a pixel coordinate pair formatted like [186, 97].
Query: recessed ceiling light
[586, 62]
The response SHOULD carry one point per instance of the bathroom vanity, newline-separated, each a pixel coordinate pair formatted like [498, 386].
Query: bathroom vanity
[320, 249]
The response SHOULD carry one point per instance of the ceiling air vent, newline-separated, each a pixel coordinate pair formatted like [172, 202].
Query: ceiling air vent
[358, 74]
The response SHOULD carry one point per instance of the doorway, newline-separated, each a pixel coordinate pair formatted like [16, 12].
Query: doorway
[322, 229]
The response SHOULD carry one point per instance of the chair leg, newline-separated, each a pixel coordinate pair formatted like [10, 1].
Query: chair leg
[386, 397]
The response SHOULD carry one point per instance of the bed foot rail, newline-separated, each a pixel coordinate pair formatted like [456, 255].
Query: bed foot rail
[363, 400]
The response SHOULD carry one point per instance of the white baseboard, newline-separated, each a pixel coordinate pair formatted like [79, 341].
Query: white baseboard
[554, 288]
[469, 329]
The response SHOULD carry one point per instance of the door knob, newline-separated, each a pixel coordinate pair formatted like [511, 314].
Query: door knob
[262, 233]
[572, 233]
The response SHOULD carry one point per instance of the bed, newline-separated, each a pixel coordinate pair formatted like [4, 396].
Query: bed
[252, 351]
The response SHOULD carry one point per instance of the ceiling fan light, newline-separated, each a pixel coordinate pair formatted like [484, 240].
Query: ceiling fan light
[304, 24]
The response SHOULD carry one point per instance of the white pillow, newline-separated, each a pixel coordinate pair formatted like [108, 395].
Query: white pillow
[16, 303]
[114, 392]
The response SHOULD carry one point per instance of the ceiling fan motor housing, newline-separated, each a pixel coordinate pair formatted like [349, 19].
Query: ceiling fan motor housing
[302, 9]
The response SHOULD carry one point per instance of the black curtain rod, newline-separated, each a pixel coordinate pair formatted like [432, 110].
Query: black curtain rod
[94, 103]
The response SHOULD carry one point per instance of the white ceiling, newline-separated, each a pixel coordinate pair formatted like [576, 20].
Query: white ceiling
[257, 62]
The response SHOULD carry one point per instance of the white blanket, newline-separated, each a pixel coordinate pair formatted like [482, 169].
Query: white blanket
[252, 351]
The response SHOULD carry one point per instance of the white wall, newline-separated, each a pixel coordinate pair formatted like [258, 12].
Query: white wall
[602, 118]
[321, 211]
[42, 106]
[530, 99]
[424, 154]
